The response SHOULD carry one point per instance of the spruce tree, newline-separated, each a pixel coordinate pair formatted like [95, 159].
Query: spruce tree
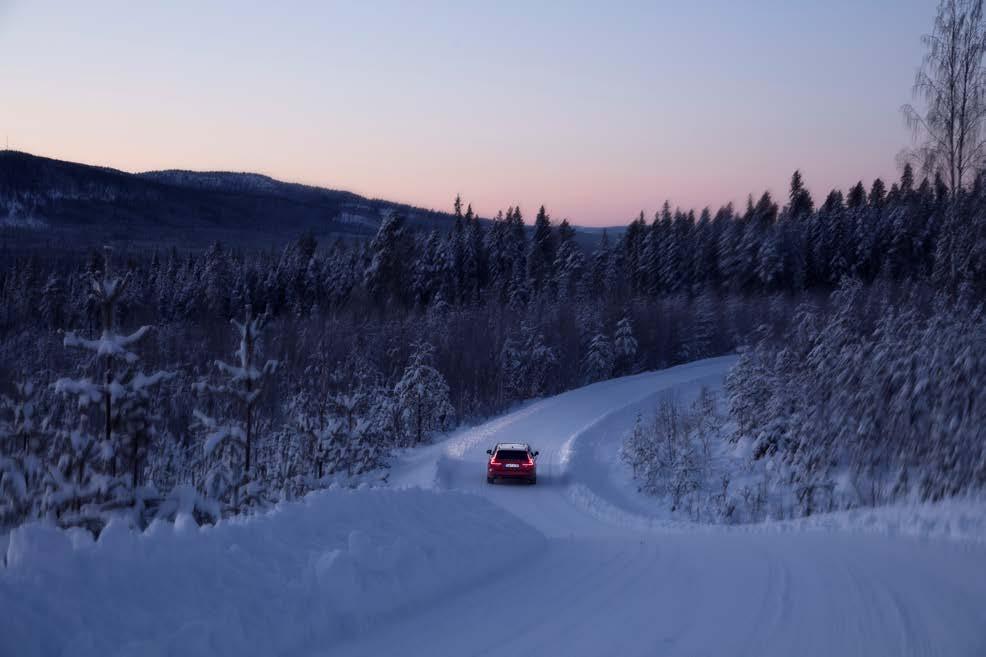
[422, 395]
[625, 346]
[229, 439]
[102, 466]
[386, 275]
[599, 359]
[22, 442]
[834, 203]
[857, 196]
[541, 256]
[800, 202]
[878, 195]
[907, 180]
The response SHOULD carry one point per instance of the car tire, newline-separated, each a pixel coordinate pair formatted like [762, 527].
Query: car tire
[532, 480]
[490, 480]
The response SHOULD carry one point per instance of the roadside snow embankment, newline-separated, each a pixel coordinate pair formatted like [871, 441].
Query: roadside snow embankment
[301, 577]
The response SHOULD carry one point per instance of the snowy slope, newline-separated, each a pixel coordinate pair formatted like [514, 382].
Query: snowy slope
[573, 566]
[290, 582]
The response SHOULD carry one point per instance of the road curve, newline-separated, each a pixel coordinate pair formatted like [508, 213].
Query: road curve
[605, 586]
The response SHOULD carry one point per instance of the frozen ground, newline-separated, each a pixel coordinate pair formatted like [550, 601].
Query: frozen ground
[578, 565]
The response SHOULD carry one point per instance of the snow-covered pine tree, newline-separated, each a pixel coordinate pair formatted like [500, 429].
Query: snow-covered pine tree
[631, 244]
[427, 276]
[700, 341]
[369, 445]
[770, 259]
[801, 204]
[649, 262]
[539, 363]
[569, 269]
[100, 468]
[229, 440]
[475, 260]
[625, 346]
[52, 302]
[340, 428]
[519, 292]
[386, 277]
[599, 359]
[303, 446]
[422, 395]
[511, 363]
[21, 455]
[541, 254]
[670, 250]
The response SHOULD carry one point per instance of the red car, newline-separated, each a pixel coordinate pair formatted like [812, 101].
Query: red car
[512, 461]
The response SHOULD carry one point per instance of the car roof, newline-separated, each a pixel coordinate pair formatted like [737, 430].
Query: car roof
[512, 446]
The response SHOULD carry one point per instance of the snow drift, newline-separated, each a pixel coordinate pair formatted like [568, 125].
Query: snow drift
[301, 577]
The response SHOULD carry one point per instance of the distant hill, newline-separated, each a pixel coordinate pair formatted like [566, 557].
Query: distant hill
[65, 206]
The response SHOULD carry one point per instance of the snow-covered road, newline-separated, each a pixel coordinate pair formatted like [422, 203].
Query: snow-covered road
[612, 581]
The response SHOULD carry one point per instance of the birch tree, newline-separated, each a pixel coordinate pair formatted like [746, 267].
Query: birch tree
[951, 82]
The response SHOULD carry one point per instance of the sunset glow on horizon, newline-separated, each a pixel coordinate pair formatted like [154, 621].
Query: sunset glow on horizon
[595, 111]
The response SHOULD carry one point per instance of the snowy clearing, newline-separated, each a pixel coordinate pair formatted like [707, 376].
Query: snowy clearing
[578, 565]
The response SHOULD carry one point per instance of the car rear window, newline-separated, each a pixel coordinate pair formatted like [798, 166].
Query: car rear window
[511, 455]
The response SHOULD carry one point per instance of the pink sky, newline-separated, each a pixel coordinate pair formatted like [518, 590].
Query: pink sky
[595, 112]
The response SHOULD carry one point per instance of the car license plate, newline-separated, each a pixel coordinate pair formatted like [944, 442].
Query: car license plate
[512, 465]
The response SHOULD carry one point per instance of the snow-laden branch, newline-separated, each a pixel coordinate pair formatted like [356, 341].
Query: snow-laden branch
[216, 433]
[140, 381]
[109, 344]
[85, 389]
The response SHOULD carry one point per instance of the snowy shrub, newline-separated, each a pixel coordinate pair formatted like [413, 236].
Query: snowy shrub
[667, 455]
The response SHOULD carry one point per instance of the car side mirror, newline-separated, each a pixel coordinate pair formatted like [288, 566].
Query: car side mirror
[536, 453]
[489, 451]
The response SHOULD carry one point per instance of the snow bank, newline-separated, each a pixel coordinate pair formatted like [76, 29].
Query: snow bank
[957, 519]
[299, 578]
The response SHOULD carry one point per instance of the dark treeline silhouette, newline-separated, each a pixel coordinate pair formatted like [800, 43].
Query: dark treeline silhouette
[380, 343]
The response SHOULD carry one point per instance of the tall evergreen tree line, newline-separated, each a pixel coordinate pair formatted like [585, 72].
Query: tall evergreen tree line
[872, 397]
[481, 316]
[900, 233]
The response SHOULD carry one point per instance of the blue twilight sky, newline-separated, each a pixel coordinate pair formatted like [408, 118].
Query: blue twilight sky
[597, 110]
